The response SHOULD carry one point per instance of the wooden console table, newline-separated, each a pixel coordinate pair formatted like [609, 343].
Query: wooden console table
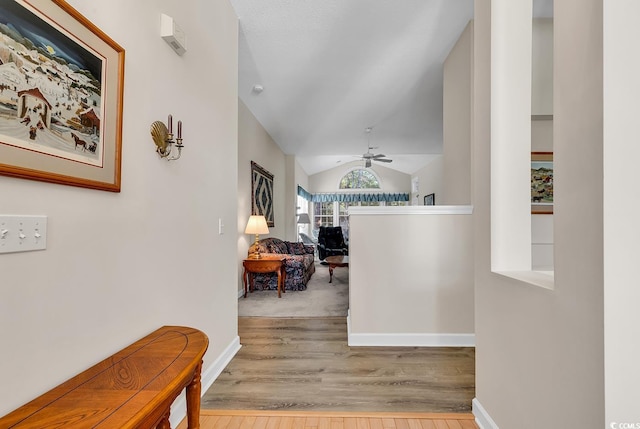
[133, 388]
[265, 264]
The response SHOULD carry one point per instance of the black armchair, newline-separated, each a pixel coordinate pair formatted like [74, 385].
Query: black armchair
[331, 242]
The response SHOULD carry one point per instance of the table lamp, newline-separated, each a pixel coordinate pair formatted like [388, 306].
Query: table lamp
[303, 218]
[257, 225]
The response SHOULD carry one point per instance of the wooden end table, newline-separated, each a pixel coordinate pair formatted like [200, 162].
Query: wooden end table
[336, 261]
[266, 264]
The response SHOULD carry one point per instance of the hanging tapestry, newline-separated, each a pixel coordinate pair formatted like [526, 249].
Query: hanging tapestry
[262, 193]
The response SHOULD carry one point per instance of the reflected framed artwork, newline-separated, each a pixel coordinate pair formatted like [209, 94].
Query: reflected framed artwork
[61, 96]
[262, 193]
[430, 200]
[542, 183]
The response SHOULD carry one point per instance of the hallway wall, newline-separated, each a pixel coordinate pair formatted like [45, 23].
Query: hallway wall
[540, 351]
[119, 265]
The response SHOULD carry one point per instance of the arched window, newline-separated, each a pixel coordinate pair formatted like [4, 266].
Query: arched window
[358, 187]
[359, 179]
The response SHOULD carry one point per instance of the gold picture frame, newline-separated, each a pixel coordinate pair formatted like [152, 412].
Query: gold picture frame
[541, 182]
[62, 96]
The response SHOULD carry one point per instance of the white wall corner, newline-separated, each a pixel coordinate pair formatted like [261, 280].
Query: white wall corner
[209, 375]
[483, 419]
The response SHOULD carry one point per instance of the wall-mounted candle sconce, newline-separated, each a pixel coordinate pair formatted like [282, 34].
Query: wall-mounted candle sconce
[163, 138]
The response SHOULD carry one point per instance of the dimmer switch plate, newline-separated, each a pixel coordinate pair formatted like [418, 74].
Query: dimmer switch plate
[22, 233]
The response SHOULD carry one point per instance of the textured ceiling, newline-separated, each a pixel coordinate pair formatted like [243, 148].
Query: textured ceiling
[331, 68]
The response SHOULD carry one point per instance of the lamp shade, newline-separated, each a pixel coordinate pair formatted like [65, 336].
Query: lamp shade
[303, 218]
[256, 225]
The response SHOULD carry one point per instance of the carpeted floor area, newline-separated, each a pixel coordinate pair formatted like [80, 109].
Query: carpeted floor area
[320, 299]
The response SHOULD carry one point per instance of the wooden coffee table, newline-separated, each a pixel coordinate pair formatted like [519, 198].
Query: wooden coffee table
[336, 261]
[266, 264]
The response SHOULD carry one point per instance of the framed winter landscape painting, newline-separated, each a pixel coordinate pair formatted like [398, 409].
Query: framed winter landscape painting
[542, 183]
[61, 89]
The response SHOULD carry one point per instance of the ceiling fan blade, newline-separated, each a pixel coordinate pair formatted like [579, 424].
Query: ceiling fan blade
[383, 160]
[378, 156]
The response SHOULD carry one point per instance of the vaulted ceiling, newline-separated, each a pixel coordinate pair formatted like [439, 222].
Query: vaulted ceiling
[328, 69]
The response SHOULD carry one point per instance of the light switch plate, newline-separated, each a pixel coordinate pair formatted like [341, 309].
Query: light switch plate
[22, 233]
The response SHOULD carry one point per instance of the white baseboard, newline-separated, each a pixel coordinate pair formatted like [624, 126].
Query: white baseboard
[483, 419]
[412, 340]
[209, 375]
[408, 340]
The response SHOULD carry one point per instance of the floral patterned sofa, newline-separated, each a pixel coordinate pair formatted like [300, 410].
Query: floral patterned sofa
[299, 264]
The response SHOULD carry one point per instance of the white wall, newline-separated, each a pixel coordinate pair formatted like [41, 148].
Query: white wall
[291, 199]
[621, 234]
[429, 181]
[414, 287]
[539, 353]
[457, 93]
[511, 135]
[328, 181]
[542, 67]
[542, 242]
[255, 144]
[542, 134]
[119, 265]
[301, 178]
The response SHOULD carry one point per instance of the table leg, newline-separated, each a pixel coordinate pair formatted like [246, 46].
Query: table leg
[279, 282]
[165, 423]
[193, 399]
[330, 273]
[252, 282]
[284, 278]
[244, 278]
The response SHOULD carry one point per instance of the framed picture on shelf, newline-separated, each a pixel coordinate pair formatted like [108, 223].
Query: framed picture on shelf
[262, 193]
[61, 92]
[430, 200]
[541, 182]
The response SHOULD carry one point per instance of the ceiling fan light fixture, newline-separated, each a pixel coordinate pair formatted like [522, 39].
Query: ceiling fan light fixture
[368, 156]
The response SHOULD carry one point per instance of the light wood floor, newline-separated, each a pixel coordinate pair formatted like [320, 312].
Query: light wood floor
[306, 365]
[221, 419]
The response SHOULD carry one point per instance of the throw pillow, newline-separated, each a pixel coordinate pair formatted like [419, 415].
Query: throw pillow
[278, 246]
[296, 248]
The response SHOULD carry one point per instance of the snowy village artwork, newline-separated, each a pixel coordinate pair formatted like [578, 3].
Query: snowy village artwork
[542, 182]
[50, 89]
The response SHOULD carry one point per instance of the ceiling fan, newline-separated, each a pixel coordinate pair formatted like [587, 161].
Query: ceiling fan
[368, 156]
